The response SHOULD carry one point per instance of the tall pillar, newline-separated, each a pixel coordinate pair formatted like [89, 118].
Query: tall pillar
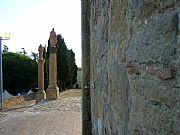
[41, 93]
[86, 94]
[53, 90]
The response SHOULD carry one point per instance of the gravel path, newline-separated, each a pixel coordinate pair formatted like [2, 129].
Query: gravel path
[57, 117]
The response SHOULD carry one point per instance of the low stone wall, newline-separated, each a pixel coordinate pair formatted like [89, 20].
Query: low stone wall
[18, 100]
[29, 96]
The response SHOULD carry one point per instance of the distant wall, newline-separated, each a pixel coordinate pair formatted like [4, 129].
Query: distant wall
[18, 100]
[135, 67]
[79, 80]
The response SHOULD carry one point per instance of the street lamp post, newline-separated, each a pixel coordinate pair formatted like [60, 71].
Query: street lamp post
[7, 37]
[1, 76]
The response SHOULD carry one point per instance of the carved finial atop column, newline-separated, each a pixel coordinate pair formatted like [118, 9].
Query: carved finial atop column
[40, 52]
[53, 38]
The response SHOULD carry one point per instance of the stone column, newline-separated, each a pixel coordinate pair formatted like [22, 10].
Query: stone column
[53, 90]
[41, 93]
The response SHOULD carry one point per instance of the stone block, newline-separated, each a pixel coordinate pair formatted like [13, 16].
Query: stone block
[133, 69]
[52, 93]
[40, 96]
[53, 50]
[165, 73]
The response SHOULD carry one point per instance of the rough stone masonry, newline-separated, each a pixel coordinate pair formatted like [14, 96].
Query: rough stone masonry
[135, 67]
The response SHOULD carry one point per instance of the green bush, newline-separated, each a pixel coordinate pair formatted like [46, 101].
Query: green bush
[19, 73]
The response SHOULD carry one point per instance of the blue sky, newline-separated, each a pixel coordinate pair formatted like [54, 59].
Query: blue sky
[30, 21]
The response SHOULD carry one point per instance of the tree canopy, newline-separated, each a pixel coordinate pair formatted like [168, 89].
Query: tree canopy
[73, 66]
[19, 73]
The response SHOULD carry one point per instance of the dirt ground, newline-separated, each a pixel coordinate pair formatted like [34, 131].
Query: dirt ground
[57, 117]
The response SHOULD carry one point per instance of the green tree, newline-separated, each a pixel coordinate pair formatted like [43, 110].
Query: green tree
[73, 67]
[23, 51]
[63, 66]
[19, 73]
[5, 48]
[34, 55]
[46, 65]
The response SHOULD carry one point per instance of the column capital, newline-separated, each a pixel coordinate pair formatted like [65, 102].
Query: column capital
[41, 61]
[53, 50]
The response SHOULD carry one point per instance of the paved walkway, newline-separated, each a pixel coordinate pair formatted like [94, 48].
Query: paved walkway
[58, 117]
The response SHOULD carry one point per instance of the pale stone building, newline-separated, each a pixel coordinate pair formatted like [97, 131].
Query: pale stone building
[79, 79]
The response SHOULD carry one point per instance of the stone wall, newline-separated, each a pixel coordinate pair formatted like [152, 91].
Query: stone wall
[18, 101]
[135, 67]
